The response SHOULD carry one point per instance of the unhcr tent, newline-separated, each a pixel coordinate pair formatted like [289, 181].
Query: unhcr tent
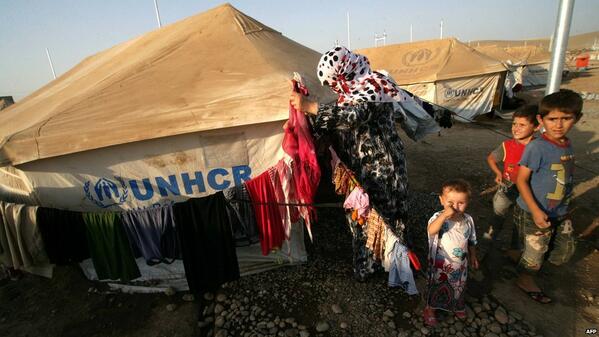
[445, 72]
[513, 64]
[189, 109]
[534, 64]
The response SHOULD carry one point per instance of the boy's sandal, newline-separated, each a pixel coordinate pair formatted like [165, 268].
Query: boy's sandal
[460, 314]
[538, 296]
[429, 318]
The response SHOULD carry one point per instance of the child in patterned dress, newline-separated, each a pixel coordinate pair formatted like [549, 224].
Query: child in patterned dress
[452, 240]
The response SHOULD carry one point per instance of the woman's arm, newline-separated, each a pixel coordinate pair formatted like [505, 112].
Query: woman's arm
[330, 116]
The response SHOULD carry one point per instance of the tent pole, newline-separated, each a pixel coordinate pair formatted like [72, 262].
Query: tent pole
[411, 33]
[348, 39]
[441, 30]
[157, 13]
[51, 65]
[559, 45]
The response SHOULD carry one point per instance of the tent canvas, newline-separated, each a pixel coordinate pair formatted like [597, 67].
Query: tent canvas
[183, 111]
[445, 72]
[535, 64]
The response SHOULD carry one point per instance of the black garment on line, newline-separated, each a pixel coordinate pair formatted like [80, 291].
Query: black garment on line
[207, 243]
[63, 233]
[241, 214]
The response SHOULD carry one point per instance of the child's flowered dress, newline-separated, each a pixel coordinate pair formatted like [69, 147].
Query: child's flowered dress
[448, 263]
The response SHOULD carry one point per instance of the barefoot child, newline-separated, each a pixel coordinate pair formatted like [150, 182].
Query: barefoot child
[524, 125]
[452, 240]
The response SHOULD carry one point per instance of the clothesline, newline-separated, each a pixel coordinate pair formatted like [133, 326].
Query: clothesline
[316, 205]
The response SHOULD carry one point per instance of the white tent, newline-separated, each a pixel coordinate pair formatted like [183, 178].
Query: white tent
[186, 110]
[445, 72]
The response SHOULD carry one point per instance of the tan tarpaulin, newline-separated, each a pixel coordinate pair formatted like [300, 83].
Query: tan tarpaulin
[156, 171]
[467, 97]
[471, 96]
[185, 111]
[431, 61]
[529, 54]
[445, 72]
[499, 53]
[214, 70]
[535, 63]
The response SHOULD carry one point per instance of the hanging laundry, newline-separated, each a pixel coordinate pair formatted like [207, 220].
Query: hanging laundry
[266, 210]
[63, 233]
[292, 213]
[334, 158]
[152, 233]
[110, 250]
[358, 200]
[204, 230]
[241, 216]
[343, 179]
[280, 199]
[364, 263]
[299, 145]
[397, 263]
[21, 239]
[375, 234]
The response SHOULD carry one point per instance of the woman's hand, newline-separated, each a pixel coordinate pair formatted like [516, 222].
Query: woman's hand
[303, 104]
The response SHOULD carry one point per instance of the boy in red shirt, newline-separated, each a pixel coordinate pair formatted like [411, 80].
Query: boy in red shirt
[524, 124]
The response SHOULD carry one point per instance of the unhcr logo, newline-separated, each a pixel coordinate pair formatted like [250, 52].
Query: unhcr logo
[106, 192]
[458, 93]
[417, 57]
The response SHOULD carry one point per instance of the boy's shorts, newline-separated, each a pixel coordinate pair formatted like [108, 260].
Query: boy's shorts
[504, 198]
[537, 241]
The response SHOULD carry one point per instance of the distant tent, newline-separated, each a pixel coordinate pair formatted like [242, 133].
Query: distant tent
[186, 110]
[513, 76]
[534, 64]
[445, 72]
[500, 54]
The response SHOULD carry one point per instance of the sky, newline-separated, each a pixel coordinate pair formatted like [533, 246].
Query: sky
[73, 30]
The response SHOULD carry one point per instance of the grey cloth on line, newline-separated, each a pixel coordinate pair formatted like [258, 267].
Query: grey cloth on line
[152, 233]
[241, 215]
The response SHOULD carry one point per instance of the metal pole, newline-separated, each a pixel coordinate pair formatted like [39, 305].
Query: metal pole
[441, 33]
[157, 13]
[348, 39]
[560, 44]
[411, 34]
[50, 60]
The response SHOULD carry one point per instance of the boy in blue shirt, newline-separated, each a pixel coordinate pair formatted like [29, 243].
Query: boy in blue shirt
[545, 181]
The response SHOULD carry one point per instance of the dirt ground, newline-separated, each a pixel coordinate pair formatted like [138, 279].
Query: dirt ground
[70, 305]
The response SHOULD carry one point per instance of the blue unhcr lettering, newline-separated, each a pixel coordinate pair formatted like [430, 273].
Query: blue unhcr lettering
[241, 173]
[198, 181]
[212, 179]
[137, 194]
[164, 187]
